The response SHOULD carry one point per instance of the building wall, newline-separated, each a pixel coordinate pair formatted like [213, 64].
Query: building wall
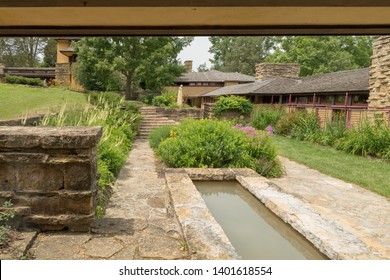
[62, 45]
[380, 74]
[193, 91]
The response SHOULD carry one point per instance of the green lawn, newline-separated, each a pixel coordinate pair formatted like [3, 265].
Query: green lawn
[19, 100]
[368, 173]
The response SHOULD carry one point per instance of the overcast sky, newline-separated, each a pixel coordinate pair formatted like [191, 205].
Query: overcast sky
[198, 52]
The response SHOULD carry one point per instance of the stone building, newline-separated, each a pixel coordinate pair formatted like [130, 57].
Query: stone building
[66, 62]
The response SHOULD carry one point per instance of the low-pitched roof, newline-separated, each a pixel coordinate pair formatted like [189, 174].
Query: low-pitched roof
[350, 80]
[214, 76]
[342, 81]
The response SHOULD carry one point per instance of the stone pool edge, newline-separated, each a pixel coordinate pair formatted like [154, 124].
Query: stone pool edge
[207, 240]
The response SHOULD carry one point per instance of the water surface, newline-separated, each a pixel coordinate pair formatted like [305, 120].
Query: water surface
[254, 231]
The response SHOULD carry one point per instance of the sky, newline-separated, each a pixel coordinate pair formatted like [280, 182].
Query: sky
[198, 52]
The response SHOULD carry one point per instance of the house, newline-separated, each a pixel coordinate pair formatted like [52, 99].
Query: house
[196, 84]
[329, 95]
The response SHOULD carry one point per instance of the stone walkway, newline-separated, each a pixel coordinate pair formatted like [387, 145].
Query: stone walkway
[136, 224]
[360, 212]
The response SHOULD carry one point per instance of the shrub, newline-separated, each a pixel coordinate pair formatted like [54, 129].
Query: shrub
[166, 99]
[5, 216]
[333, 131]
[232, 104]
[264, 115]
[366, 140]
[23, 81]
[216, 144]
[306, 126]
[160, 134]
[299, 124]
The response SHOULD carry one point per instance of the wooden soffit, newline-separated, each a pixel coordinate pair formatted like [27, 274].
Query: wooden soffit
[186, 17]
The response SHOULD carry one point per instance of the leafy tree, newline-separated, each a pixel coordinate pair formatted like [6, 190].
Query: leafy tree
[21, 51]
[239, 54]
[203, 68]
[50, 53]
[323, 54]
[140, 62]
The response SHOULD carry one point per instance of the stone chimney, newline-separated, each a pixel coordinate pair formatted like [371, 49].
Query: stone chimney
[188, 65]
[380, 74]
[266, 70]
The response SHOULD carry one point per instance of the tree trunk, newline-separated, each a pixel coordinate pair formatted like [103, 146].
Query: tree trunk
[130, 94]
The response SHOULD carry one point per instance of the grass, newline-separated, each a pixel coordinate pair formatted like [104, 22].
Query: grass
[21, 101]
[372, 174]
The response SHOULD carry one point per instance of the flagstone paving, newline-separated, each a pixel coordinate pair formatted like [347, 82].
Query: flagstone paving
[136, 224]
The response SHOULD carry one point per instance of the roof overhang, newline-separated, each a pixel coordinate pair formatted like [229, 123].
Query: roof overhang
[190, 17]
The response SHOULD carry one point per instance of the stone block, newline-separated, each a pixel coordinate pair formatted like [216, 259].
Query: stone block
[7, 177]
[62, 205]
[39, 177]
[78, 177]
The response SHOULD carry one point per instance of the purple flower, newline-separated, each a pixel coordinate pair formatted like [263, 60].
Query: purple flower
[269, 130]
[347, 126]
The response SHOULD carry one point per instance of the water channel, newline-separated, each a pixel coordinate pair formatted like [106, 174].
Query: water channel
[254, 231]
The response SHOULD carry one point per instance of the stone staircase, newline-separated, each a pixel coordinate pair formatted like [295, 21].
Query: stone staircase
[151, 120]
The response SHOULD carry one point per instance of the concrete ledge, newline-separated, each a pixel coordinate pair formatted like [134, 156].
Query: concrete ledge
[203, 232]
[205, 238]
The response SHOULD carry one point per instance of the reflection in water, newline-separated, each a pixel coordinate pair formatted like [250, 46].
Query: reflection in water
[254, 231]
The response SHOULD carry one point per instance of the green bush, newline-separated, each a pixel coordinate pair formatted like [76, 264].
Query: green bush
[5, 216]
[300, 125]
[160, 134]
[331, 133]
[306, 126]
[23, 81]
[217, 144]
[366, 140]
[119, 130]
[166, 99]
[233, 104]
[265, 115]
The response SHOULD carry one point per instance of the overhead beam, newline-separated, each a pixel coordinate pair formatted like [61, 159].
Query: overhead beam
[186, 17]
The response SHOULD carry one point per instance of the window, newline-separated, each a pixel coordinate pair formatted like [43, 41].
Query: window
[359, 99]
[340, 99]
[327, 99]
[302, 99]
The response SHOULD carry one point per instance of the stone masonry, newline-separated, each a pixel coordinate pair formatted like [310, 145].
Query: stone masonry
[63, 74]
[266, 70]
[50, 175]
[380, 74]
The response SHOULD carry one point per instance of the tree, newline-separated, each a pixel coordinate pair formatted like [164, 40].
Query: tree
[324, 54]
[239, 54]
[22, 51]
[203, 68]
[146, 62]
[50, 53]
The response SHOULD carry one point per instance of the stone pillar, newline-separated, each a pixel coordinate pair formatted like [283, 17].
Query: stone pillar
[63, 74]
[379, 97]
[2, 66]
[50, 175]
[266, 70]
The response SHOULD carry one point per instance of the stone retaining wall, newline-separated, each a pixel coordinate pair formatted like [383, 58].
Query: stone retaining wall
[50, 175]
[30, 121]
[181, 114]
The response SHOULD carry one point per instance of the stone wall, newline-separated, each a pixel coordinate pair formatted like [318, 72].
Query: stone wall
[181, 114]
[380, 74]
[208, 110]
[266, 70]
[50, 175]
[63, 74]
[29, 121]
